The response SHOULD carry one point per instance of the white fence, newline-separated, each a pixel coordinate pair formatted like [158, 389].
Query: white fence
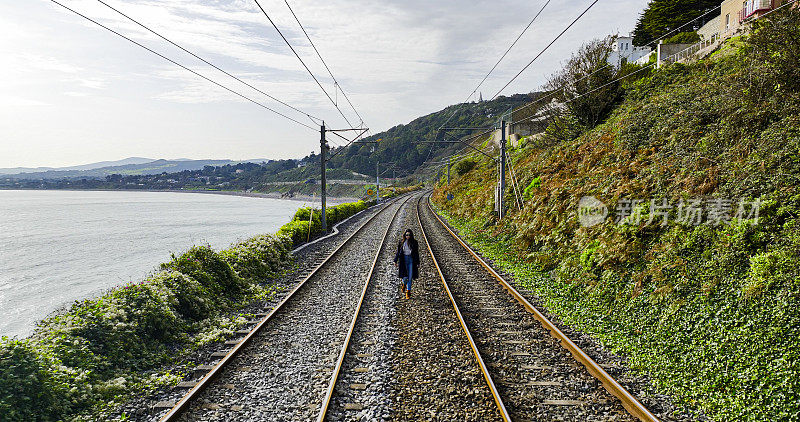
[690, 51]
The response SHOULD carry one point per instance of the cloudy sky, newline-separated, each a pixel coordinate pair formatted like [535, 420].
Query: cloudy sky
[73, 93]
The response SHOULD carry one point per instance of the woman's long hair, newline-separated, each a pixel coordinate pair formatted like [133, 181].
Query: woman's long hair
[403, 238]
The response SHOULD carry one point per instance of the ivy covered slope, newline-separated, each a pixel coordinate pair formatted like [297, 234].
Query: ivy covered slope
[83, 363]
[711, 311]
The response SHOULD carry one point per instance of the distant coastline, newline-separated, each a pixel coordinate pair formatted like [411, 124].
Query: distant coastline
[331, 200]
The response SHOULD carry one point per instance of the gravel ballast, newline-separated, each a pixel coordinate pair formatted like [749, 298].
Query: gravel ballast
[409, 359]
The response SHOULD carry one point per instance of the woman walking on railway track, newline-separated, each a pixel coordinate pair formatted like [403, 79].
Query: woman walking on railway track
[407, 260]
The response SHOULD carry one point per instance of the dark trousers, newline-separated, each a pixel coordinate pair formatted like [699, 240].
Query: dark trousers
[409, 263]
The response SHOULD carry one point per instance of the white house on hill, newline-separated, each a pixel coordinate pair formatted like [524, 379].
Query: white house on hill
[623, 48]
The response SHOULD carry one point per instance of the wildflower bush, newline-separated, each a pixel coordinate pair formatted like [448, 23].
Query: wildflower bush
[709, 311]
[299, 230]
[81, 364]
[258, 257]
[407, 189]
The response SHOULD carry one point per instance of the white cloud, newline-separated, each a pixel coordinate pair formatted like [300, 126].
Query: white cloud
[92, 83]
[8, 101]
[28, 61]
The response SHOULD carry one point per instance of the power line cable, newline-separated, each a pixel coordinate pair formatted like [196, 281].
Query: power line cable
[508, 50]
[316, 120]
[648, 66]
[182, 66]
[662, 36]
[303, 63]
[545, 49]
[498, 61]
[335, 81]
[324, 63]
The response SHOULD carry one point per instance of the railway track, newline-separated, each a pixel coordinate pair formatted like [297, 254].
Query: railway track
[408, 360]
[483, 351]
[279, 368]
[467, 346]
[534, 374]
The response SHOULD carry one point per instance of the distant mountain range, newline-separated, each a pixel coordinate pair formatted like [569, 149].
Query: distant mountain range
[126, 167]
[92, 166]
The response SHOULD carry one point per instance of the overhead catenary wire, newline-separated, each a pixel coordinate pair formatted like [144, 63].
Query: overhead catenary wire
[467, 139]
[336, 82]
[454, 155]
[182, 66]
[316, 120]
[349, 142]
[466, 143]
[574, 21]
[620, 78]
[303, 63]
[508, 50]
[598, 88]
[535, 58]
[662, 36]
[452, 158]
[498, 61]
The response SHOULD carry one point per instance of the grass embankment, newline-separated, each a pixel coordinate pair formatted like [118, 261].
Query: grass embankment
[83, 363]
[711, 311]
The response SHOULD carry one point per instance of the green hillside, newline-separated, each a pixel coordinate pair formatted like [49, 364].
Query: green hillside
[400, 144]
[710, 308]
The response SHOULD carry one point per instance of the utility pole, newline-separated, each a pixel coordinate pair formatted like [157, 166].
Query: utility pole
[448, 170]
[377, 182]
[323, 146]
[501, 212]
[323, 159]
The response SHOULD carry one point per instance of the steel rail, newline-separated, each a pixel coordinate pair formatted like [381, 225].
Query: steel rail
[631, 404]
[182, 405]
[484, 370]
[340, 362]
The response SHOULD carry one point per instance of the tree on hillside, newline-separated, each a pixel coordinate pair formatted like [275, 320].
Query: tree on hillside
[587, 82]
[585, 90]
[662, 16]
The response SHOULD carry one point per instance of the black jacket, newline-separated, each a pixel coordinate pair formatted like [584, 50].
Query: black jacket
[400, 258]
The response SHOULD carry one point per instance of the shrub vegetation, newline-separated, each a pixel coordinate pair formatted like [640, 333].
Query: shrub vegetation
[300, 231]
